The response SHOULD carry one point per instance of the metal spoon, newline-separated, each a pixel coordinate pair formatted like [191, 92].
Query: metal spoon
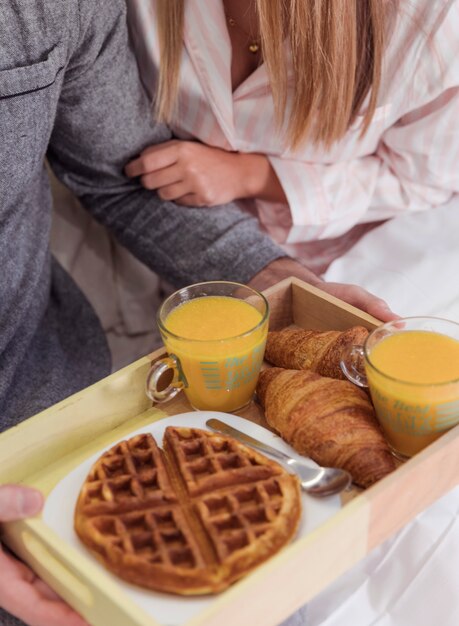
[317, 481]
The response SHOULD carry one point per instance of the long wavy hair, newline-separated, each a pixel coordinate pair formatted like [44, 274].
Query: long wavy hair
[337, 48]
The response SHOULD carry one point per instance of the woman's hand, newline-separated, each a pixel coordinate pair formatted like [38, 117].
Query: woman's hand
[22, 593]
[193, 174]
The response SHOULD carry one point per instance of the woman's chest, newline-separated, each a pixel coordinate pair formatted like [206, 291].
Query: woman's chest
[242, 119]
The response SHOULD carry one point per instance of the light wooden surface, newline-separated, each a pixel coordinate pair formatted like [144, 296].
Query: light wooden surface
[42, 450]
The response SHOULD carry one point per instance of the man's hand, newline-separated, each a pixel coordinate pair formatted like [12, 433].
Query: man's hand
[352, 294]
[22, 593]
[360, 298]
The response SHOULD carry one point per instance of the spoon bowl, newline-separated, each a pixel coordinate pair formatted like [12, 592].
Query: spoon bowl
[317, 481]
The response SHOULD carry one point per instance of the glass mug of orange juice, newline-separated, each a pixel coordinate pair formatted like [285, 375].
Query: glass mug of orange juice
[411, 367]
[215, 335]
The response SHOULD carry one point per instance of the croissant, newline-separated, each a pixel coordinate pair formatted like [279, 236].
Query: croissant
[331, 421]
[319, 351]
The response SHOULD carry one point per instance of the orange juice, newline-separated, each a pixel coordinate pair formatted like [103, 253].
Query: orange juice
[413, 378]
[219, 342]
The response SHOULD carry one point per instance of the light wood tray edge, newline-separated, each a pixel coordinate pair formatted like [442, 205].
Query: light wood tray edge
[72, 430]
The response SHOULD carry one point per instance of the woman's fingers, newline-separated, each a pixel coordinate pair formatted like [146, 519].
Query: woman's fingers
[153, 159]
[174, 191]
[161, 178]
[191, 200]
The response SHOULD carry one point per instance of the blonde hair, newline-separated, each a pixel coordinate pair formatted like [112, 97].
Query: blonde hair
[336, 47]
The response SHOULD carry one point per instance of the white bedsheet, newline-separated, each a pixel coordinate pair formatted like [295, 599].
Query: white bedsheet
[412, 579]
[411, 261]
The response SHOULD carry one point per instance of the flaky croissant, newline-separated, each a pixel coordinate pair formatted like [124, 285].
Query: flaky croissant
[319, 351]
[331, 421]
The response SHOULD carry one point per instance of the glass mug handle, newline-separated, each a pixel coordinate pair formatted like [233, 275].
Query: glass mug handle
[169, 363]
[352, 366]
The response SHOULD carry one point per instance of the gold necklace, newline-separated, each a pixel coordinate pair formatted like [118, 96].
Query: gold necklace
[254, 44]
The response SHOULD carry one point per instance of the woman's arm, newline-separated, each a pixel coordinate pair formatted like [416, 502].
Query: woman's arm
[193, 174]
[412, 168]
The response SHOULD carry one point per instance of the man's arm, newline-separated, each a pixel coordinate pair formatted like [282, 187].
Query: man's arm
[104, 119]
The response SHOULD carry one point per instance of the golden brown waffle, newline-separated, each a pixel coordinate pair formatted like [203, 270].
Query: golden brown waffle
[189, 520]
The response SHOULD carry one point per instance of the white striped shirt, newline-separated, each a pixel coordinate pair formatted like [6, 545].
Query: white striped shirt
[407, 161]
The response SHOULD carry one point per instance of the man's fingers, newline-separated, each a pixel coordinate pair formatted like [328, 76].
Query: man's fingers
[17, 502]
[42, 612]
[380, 310]
[373, 305]
[29, 599]
[45, 590]
[362, 299]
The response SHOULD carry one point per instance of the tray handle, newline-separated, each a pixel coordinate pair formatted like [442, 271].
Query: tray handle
[77, 581]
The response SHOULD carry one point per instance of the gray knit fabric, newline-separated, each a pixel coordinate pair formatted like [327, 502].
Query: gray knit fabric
[70, 91]
[8, 620]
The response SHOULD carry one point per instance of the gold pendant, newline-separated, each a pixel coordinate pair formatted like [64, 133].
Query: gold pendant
[254, 47]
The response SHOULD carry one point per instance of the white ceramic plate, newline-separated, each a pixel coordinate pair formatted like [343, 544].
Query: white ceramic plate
[164, 608]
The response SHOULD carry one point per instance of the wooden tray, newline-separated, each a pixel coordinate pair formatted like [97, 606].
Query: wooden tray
[45, 448]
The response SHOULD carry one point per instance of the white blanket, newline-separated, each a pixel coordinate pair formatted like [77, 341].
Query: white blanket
[411, 261]
[412, 579]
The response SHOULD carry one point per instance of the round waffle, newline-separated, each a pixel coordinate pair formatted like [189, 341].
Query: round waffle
[191, 519]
